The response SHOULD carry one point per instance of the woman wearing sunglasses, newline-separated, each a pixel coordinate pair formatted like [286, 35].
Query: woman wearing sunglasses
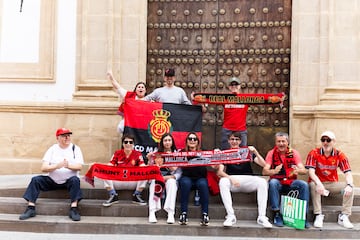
[171, 175]
[194, 178]
[126, 156]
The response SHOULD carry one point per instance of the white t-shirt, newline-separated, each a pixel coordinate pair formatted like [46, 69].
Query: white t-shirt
[55, 154]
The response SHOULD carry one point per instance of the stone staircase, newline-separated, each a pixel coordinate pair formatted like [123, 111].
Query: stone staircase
[128, 218]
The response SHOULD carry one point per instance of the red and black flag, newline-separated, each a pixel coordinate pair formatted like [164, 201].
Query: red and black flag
[148, 121]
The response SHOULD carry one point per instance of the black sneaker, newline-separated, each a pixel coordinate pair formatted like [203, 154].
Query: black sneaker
[138, 200]
[183, 220]
[74, 214]
[204, 220]
[113, 199]
[29, 213]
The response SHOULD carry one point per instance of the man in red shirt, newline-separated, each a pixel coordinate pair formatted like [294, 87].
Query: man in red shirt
[126, 156]
[234, 117]
[322, 163]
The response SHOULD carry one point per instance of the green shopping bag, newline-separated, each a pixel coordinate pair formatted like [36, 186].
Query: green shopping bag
[293, 211]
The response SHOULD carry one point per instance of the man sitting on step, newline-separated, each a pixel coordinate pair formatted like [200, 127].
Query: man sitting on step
[239, 178]
[62, 162]
[322, 163]
[126, 156]
[283, 165]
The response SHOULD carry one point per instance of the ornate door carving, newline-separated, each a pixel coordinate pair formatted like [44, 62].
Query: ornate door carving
[208, 41]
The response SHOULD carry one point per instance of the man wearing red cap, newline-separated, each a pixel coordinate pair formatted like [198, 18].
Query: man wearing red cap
[62, 163]
[322, 163]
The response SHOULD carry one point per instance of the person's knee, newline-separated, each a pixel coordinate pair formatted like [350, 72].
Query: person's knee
[224, 182]
[74, 180]
[273, 183]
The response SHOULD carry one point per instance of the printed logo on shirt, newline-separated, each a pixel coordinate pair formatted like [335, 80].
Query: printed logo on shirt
[234, 106]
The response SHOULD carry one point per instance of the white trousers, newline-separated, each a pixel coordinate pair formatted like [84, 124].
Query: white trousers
[122, 185]
[248, 184]
[170, 200]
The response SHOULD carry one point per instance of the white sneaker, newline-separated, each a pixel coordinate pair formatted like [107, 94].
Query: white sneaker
[170, 219]
[264, 221]
[230, 220]
[344, 221]
[152, 217]
[319, 221]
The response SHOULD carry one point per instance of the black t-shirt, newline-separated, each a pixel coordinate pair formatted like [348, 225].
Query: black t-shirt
[240, 168]
[194, 172]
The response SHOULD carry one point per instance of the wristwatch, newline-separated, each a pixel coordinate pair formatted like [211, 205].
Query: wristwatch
[350, 185]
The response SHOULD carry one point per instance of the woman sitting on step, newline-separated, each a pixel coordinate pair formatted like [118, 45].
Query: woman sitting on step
[171, 175]
[194, 178]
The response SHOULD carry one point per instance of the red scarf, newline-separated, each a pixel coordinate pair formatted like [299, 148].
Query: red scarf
[244, 98]
[285, 175]
[127, 173]
[204, 158]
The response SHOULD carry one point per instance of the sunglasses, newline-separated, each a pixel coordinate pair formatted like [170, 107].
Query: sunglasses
[325, 140]
[234, 84]
[192, 139]
[128, 142]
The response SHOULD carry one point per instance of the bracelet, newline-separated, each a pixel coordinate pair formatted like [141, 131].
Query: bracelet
[350, 185]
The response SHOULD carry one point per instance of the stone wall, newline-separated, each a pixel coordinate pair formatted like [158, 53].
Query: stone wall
[27, 131]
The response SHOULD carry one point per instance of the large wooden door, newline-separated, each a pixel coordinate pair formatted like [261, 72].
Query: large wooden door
[209, 41]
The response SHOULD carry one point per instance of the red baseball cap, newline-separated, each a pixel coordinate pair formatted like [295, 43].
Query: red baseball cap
[62, 131]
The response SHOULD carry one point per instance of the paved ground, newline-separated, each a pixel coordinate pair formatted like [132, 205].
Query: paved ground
[55, 236]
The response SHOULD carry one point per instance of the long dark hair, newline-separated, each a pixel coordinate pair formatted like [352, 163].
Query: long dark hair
[198, 140]
[161, 143]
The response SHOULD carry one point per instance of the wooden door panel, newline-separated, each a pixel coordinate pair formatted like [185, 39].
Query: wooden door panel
[208, 41]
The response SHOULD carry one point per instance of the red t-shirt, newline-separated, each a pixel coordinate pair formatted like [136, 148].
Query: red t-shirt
[235, 117]
[134, 159]
[128, 95]
[326, 167]
[288, 159]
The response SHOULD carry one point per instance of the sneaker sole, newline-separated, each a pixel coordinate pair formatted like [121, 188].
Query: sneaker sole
[109, 204]
[183, 223]
[138, 203]
[204, 224]
[31, 216]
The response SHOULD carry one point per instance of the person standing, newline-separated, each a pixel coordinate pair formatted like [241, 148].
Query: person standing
[169, 93]
[322, 164]
[283, 164]
[234, 117]
[194, 178]
[239, 178]
[62, 163]
[171, 176]
[126, 156]
[138, 94]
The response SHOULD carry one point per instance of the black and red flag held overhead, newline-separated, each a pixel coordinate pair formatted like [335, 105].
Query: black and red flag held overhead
[148, 121]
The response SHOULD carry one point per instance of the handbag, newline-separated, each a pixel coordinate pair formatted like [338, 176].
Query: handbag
[293, 210]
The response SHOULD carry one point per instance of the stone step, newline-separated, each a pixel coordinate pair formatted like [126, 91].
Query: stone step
[125, 208]
[128, 218]
[136, 225]
[101, 194]
[15, 185]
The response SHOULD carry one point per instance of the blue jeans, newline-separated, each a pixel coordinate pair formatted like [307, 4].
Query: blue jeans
[45, 183]
[276, 189]
[186, 184]
[225, 141]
